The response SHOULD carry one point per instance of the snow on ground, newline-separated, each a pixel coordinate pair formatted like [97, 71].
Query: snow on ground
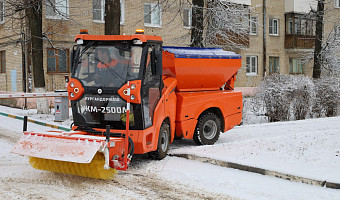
[32, 113]
[308, 148]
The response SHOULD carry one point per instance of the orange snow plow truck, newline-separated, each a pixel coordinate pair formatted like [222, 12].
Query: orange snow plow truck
[131, 95]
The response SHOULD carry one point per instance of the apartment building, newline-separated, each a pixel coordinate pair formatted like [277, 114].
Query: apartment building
[280, 36]
[60, 25]
[281, 40]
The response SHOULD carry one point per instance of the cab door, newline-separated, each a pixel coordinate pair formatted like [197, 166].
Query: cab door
[151, 83]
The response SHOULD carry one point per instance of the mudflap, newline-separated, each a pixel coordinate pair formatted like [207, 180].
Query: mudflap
[59, 146]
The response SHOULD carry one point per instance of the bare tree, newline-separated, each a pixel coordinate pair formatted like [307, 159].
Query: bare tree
[34, 16]
[318, 39]
[197, 23]
[227, 24]
[220, 23]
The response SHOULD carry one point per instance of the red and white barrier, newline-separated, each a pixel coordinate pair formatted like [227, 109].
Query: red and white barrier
[32, 95]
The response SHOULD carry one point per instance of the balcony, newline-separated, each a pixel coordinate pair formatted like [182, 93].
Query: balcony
[297, 41]
[300, 30]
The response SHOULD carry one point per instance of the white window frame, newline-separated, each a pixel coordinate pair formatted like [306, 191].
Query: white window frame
[153, 5]
[56, 15]
[189, 19]
[2, 14]
[102, 11]
[253, 24]
[272, 29]
[337, 3]
[252, 66]
[122, 12]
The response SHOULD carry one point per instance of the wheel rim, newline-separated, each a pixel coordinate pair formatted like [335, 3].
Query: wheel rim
[209, 129]
[164, 140]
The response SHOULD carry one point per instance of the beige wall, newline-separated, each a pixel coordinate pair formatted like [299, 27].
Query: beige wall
[62, 32]
[331, 17]
[9, 34]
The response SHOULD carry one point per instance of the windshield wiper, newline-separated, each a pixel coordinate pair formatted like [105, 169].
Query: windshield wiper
[84, 50]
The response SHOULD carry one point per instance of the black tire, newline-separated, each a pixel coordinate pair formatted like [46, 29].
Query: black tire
[207, 130]
[163, 143]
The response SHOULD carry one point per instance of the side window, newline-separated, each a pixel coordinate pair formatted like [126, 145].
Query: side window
[148, 69]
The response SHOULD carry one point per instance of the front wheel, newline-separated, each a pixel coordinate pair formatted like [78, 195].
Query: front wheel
[163, 143]
[208, 129]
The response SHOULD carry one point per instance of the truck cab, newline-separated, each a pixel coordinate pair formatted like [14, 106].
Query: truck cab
[103, 66]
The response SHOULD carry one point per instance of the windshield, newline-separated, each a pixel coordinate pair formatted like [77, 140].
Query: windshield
[108, 65]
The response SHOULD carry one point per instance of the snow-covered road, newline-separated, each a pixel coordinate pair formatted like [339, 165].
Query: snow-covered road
[291, 146]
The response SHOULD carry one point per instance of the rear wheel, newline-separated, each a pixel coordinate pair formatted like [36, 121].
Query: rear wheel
[163, 143]
[208, 129]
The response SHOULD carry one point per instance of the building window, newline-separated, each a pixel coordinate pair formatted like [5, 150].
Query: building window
[273, 27]
[251, 64]
[310, 27]
[99, 10]
[274, 66]
[2, 11]
[122, 11]
[296, 66]
[152, 15]
[289, 26]
[57, 9]
[58, 60]
[2, 61]
[187, 17]
[253, 25]
[337, 3]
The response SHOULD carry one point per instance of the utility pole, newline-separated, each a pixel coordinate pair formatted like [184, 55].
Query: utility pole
[264, 10]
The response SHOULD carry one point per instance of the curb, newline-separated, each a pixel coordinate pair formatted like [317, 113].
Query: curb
[261, 171]
[36, 122]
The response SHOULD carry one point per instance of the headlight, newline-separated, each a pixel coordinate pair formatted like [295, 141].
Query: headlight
[71, 95]
[133, 86]
[76, 90]
[133, 97]
[72, 84]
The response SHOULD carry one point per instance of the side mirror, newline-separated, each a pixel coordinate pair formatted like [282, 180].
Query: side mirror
[72, 57]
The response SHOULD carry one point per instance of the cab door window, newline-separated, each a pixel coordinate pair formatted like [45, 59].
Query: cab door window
[151, 86]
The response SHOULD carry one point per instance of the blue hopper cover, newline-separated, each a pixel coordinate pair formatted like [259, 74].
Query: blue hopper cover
[196, 52]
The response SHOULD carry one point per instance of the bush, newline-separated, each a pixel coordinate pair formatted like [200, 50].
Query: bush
[327, 97]
[286, 97]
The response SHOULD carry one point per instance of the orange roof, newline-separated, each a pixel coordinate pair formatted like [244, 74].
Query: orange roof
[142, 37]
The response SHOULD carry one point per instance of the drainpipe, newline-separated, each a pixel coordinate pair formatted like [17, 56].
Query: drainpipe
[264, 38]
